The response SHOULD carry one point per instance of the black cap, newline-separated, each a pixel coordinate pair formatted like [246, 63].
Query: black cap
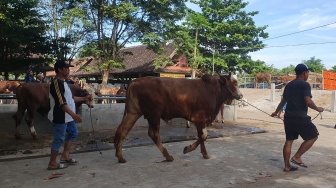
[300, 68]
[61, 64]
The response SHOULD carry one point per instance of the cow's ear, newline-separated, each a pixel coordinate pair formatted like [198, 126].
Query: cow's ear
[223, 79]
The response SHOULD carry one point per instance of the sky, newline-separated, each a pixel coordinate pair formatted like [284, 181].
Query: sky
[286, 17]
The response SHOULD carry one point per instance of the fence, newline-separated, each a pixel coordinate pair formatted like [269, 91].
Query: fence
[249, 82]
[316, 80]
[109, 98]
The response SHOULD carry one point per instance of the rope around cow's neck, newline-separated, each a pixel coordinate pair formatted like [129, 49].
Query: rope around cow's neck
[270, 114]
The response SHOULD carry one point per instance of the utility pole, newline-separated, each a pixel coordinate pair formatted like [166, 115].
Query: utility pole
[213, 61]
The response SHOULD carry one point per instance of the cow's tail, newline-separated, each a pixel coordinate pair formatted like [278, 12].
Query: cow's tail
[127, 100]
[17, 94]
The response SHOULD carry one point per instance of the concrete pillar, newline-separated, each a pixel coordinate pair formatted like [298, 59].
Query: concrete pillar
[272, 92]
[333, 102]
[235, 110]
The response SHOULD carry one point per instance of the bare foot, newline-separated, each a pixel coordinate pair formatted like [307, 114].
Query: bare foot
[291, 168]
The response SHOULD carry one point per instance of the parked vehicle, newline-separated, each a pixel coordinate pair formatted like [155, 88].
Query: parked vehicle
[252, 85]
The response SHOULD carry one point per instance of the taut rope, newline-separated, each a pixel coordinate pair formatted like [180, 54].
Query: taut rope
[271, 115]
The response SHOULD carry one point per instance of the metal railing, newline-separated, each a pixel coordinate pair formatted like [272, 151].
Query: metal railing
[100, 97]
[7, 96]
[110, 97]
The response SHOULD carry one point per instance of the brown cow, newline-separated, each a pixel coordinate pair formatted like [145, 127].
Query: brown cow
[107, 91]
[34, 97]
[209, 123]
[196, 100]
[8, 86]
[263, 77]
[286, 79]
[121, 93]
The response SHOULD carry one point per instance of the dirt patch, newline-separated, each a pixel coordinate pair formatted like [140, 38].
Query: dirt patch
[27, 145]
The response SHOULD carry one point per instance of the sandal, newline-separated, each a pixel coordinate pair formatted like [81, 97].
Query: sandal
[70, 161]
[59, 166]
[298, 163]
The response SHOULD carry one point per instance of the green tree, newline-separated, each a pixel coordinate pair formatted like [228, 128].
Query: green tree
[69, 26]
[196, 21]
[314, 64]
[230, 33]
[288, 70]
[260, 66]
[224, 35]
[186, 39]
[22, 35]
[333, 68]
[118, 23]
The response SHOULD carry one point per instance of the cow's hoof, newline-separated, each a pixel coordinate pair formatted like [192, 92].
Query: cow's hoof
[169, 158]
[35, 137]
[187, 149]
[335, 127]
[206, 156]
[222, 121]
[122, 160]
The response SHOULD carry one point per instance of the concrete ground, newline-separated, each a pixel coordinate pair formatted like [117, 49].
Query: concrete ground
[247, 159]
[250, 160]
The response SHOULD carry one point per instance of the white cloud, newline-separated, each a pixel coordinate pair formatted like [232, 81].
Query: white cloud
[302, 20]
[288, 17]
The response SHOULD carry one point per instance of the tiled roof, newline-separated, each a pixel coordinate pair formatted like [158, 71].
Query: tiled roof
[137, 59]
[77, 63]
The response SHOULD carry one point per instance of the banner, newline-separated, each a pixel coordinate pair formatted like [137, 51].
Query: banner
[171, 75]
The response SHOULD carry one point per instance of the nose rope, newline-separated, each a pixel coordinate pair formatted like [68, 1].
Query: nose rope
[270, 114]
[255, 107]
[93, 133]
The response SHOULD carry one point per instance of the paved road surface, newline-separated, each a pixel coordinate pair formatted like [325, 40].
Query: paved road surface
[250, 160]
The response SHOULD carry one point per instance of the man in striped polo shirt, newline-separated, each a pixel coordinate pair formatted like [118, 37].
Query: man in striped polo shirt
[63, 116]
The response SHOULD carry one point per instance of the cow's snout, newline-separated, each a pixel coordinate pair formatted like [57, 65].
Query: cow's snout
[239, 96]
[89, 101]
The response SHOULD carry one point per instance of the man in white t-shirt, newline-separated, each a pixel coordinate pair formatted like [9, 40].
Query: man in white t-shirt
[63, 117]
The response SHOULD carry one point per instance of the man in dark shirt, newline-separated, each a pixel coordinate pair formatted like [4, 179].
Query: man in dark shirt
[297, 95]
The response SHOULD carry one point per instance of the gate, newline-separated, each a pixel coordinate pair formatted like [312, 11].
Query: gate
[329, 80]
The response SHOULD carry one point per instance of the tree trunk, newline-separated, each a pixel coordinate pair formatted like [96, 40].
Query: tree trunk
[105, 77]
[6, 75]
[193, 73]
